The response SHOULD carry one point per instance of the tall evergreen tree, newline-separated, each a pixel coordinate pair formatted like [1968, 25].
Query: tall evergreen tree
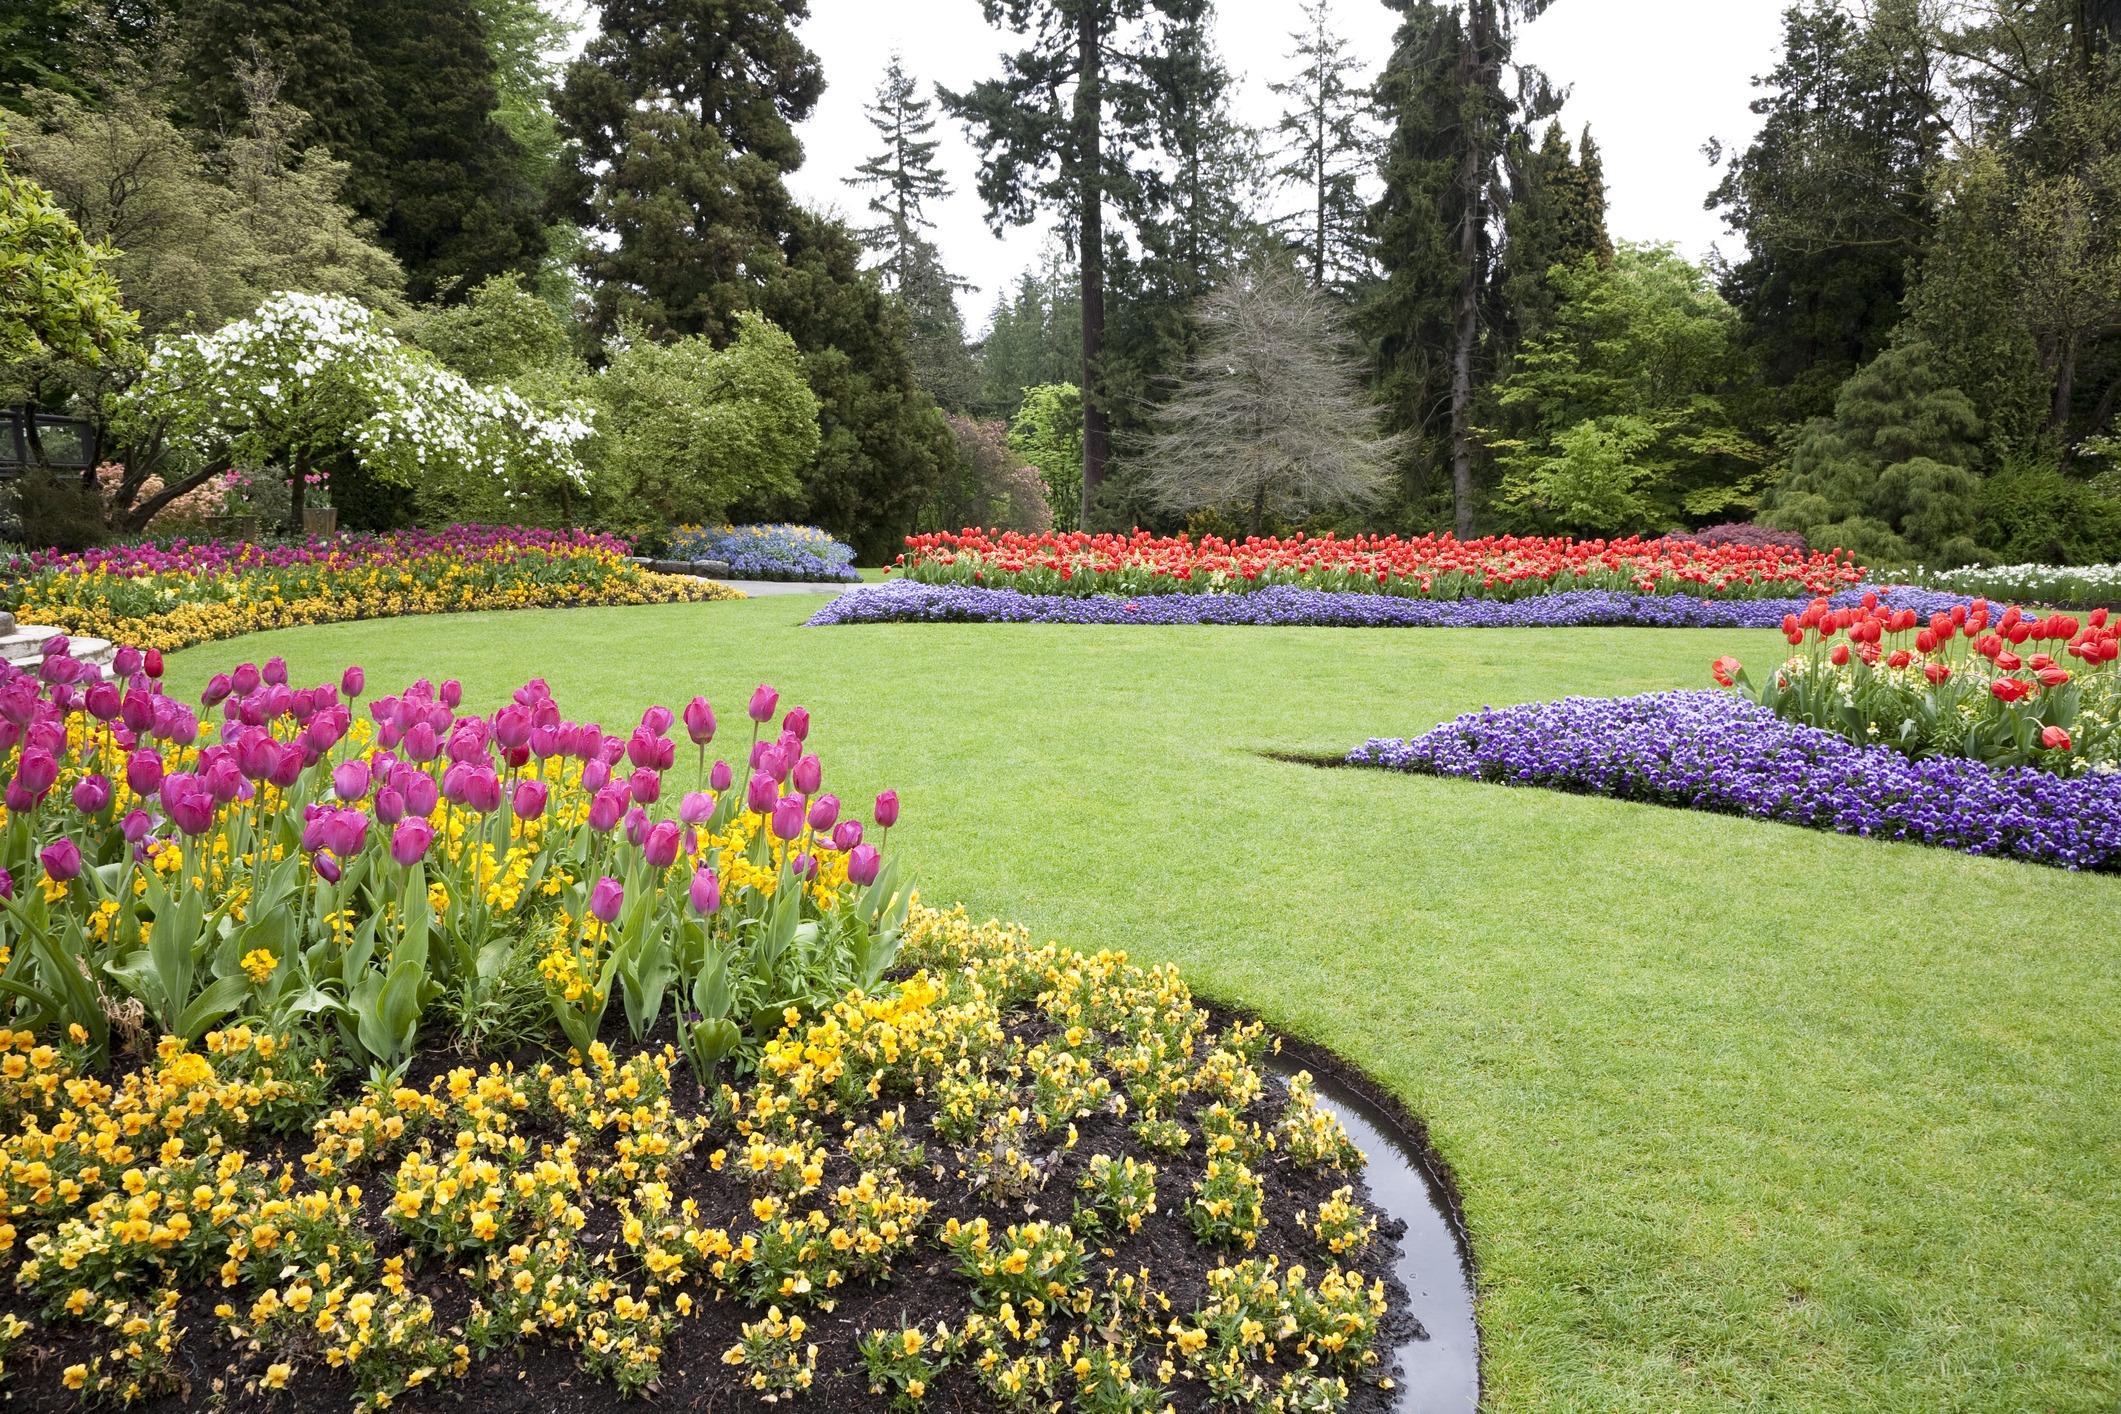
[1556, 218]
[682, 113]
[1454, 115]
[1831, 197]
[905, 178]
[1058, 131]
[1033, 339]
[404, 92]
[1328, 146]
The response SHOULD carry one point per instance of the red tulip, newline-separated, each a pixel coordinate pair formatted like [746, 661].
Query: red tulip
[1840, 655]
[2055, 739]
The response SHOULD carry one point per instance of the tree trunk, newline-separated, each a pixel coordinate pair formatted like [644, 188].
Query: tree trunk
[297, 493]
[1467, 331]
[1090, 246]
[137, 517]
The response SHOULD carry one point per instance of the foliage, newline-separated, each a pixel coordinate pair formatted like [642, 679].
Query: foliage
[169, 599]
[1328, 146]
[992, 484]
[687, 430]
[57, 296]
[1047, 433]
[1034, 338]
[1891, 476]
[1270, 418]
[767, 551]
[2031, 511]
[498, 333]
[1614, 418]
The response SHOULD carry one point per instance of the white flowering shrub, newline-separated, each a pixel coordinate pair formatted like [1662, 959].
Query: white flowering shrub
[306, 376]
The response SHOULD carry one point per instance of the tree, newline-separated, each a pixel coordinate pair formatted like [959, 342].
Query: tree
[1832, 197]
[58, 298]
[990, 485]
[308, 378]
[1047, 432]
[1272, 419]
[1329, 145]
[1556, 219]
[497, 335]
[1057, 132]
[1445, 196]
[905, 178]
[1615, 419]
[688, 430]
[1892, 476]
[1034, 337]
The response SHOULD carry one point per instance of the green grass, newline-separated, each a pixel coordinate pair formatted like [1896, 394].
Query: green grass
[1745, 1117]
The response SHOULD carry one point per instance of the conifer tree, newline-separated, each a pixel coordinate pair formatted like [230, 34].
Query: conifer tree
[1329, 145]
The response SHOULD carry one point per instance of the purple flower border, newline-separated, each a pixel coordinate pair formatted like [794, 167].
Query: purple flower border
[1285, 606]
[1715, 751]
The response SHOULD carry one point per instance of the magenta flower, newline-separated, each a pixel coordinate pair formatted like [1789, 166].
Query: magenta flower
[245, 679]
[275, 670]
[482, 790]
[350, 780]
[763, 701]
[788, 817]
[656, 720]
[606, 899]
[797, 723]
[806, 867]
[7, 885]
[390, 805]
[863, 862]
[143, 771]
[594, 774]
[91, 794]
[647, 786]
[846, 834]
[421, 743]
[327, 867]
[452, 694]
[887, 810]
[699, 721]
[136, 826]
[37, 771]
[720, 777]
[606, 807]
[127, 661]
[761, 793]
[530, 799]
[660, 848]
[352, 681]
[138, 713]
[696, 808]
[808, 774]
[421, 793]
[188, 802]
[409, 842]
[823, 812]
[61, 860]
[103, 702]
[706, 891]
[512, 727]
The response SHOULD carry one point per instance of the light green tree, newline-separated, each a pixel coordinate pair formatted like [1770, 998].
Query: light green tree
[686, 430]
[1047, 432]
[58, 298]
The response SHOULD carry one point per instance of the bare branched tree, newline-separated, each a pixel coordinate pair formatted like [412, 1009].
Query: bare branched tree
[1272, 416]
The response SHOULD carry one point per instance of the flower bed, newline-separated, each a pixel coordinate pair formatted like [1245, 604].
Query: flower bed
[1431, 567]
[1712, 751]
[903, 601]
[188, 594]
[783, 552]
[954, 1167]
[2059, 586]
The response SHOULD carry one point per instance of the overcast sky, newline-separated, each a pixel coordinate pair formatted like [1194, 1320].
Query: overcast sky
[1655, 79]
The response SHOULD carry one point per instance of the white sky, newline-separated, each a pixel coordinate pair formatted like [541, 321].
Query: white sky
[1655, 79]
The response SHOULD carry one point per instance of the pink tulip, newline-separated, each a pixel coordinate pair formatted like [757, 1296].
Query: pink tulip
[245, 679]
[409, 842]
[352, 681]
[188, 803]
[696, 808]
[92, 794]
[720, 777]
[390, 805]
[452, 694]
[606, 899]
[699, 721]
[863, 863]
[127, 661]
[530, 797]
[797, 723]
[763, 701]
[646, 785]
[846, 835]
[809, 772]
[594, 774]
[327, 867]
[136, 826]
[421, 794]
[824, 811]
[656, 720]
[61, 860]
[660, 848]
[788, 817]
[706, 891]
[606, 807]
[761, 793]
[143, 771]
[887, 810]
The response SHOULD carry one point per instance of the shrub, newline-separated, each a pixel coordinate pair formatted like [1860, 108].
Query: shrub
[789, 552]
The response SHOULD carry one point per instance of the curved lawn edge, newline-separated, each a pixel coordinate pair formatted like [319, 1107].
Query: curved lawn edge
[1283, 606]
[1713, 751]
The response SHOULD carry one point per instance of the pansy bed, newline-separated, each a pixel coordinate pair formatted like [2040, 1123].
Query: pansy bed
[188, 594]
[429, 1053]
[1980, 729]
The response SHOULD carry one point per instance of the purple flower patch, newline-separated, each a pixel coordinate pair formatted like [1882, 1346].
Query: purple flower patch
[904, 601]
[1717, 752]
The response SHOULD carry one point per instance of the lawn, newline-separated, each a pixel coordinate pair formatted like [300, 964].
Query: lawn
[1744, 1116]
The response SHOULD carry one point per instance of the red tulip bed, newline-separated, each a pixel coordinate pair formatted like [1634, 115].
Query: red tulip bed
[311, 1080]
[1977, 728]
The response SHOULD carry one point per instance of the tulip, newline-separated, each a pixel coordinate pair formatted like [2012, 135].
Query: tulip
[761, 793]
[660, 848]
[863, 862]
[846, 835]
[103, 702]
[127, 660]
[390, 805]
[7, 885]
[887, 808]
[36, 771]
[217, 688]
[696, 808]
[1840, 655]
[346, 833]
[421, 794]
[809, 772]
[656, 720]
[352, 682]
[699, 721]
[61, 860]
[1936, 673]
[136, 826]
[594, 774]
[788, 817]
[92, 794]
[287, 766]
[275, 670]
[806, 867]
[1724, 670]
[482, 790]
[2055, 739]
[797, 723]
[420, 742]
[824, 811]
[529, 800]
[606, 899]
[606, 807]
[763, 701]
[245, 679]
[143, 771]
[409, 841]
[2052, 677]
[151, 663]
[2009, 689]
[512, 727]
[188, 803]
[544, 742]
[706, 891]
[720, 778]
[452, 694]
[636, 826]
[327, 867]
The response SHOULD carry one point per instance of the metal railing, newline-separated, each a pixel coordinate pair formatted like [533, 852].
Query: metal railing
[69, 443]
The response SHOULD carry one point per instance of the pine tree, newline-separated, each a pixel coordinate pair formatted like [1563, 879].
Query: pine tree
[1034, 338]
[1329, 145]
[1579, 203]
[1068, 155]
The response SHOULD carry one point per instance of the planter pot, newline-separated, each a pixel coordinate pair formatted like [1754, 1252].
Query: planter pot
[233, 527]
[320, 520]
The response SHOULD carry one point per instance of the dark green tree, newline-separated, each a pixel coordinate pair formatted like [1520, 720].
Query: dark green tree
[1556, 218]
[1328, 144]
[1456, 99]
[1832, 196]
[1059, 131]
[1034, 338]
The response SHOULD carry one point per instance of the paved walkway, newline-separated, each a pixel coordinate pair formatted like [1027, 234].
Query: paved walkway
[758, 587]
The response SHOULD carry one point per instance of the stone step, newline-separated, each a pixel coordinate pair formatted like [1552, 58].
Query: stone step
[23, 644]
[702, 569]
